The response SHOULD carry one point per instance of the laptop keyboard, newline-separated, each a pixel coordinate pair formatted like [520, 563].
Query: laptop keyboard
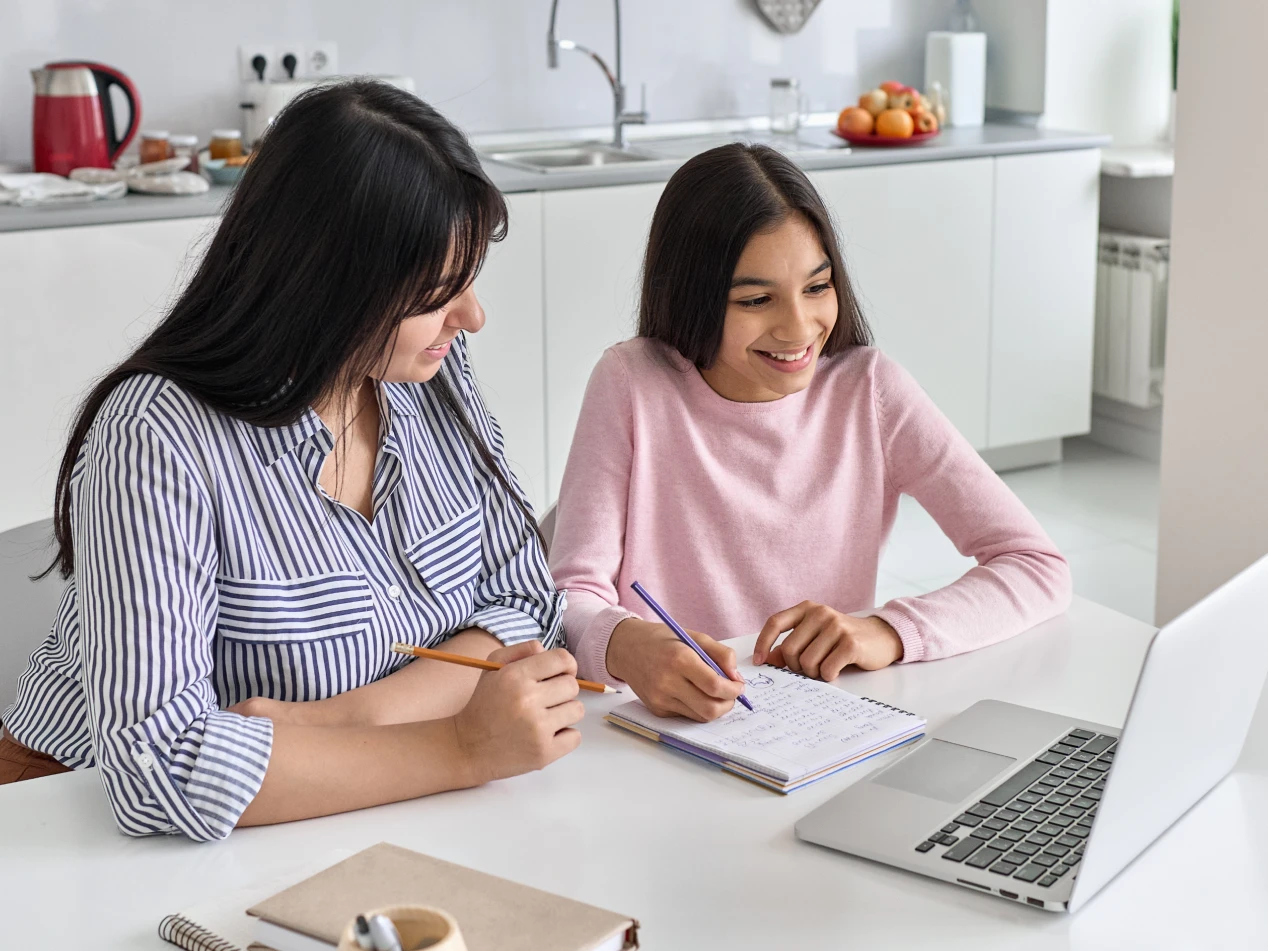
[1033, 826]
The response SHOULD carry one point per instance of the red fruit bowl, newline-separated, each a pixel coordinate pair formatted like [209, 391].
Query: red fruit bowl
[872, 138]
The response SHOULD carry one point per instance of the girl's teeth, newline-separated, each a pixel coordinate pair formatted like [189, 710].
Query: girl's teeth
[787, 357]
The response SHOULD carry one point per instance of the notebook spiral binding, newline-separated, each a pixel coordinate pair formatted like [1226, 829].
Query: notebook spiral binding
[183, 933]
[887, 706]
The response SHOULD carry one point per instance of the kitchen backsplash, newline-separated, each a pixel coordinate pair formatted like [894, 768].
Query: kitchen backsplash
[483, 62]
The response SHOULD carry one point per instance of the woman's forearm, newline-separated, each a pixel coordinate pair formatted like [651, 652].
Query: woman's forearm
[517, 719]
[322, 770]
[421, 690]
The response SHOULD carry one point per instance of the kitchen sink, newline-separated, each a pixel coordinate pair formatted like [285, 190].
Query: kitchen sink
[566, 158]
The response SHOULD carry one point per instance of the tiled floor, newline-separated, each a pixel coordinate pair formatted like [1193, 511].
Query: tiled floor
[1099, 506]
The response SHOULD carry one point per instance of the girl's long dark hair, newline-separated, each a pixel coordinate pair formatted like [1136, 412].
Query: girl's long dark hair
[361, 207]
[709, 210]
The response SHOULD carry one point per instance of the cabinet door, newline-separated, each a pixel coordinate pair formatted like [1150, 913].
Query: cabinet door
[594, 240]
[1044, 295]
[917, 244]
[507, 354]
[76, 300]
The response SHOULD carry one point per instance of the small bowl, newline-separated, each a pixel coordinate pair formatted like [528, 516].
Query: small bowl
[419, 927]
[218, 171]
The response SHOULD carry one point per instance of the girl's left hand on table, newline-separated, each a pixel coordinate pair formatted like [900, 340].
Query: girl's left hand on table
[822, 641]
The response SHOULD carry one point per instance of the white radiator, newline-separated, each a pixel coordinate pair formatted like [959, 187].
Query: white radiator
[1131, 318]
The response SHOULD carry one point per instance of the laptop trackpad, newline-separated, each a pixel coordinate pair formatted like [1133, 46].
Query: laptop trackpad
[943, 771]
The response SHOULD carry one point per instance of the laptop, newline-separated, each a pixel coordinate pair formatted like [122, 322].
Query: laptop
[1044, 809]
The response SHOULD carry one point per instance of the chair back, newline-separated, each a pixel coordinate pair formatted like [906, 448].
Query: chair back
[547, 524]
[27, 607]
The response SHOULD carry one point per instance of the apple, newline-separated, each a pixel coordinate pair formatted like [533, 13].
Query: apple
[925, 121]
[903, 99]
[874, 101]
[892, 85]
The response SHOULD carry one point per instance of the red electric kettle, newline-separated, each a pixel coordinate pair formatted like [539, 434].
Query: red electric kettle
[74, 118]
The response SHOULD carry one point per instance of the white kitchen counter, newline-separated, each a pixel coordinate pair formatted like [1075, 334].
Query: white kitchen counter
[814, 149]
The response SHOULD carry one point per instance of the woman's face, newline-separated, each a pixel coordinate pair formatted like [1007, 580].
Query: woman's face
[781, 308]
[423, 341]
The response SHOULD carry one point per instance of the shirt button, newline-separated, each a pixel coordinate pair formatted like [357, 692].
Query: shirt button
[145, 761]
[394, 592]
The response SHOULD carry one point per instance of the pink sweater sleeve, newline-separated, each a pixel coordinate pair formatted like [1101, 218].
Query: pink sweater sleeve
[585, 553]
[1020, 578]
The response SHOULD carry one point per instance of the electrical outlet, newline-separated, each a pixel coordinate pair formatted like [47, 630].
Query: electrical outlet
[248, 52]
[323, 59]
[284, 51]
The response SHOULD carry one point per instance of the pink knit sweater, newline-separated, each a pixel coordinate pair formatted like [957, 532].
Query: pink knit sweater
[729, 512]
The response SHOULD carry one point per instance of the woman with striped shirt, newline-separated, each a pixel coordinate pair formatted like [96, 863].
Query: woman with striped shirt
[294, 470]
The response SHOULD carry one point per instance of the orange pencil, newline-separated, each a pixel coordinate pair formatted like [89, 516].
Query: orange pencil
[483, 664]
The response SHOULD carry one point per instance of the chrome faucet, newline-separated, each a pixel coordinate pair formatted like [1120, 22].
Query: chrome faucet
[620, 118]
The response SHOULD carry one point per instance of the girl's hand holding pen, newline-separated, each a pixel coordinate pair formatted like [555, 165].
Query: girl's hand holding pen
[822, 641]
[668, 676]
[520, 718]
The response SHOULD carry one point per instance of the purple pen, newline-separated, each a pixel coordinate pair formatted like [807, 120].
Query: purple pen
[683, 635]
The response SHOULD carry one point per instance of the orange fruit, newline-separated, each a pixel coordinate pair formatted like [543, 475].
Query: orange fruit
[856, 121]
[895, 124]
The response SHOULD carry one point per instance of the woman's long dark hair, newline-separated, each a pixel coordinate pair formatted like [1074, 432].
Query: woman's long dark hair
[361, 207]
[708, 212]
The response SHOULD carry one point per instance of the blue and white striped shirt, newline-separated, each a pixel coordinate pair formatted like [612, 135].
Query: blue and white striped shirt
[210, 567]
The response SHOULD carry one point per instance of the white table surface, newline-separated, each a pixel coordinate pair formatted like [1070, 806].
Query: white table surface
[703, 859]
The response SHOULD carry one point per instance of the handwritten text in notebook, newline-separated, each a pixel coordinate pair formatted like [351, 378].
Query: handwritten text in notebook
[793, 713]
[798, 727]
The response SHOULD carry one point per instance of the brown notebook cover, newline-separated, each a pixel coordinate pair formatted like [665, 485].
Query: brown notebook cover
[494, 914]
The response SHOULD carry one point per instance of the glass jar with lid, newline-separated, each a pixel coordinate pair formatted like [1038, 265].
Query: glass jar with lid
[787, 106]
[225, 143]
[185, 146]
[155, 146]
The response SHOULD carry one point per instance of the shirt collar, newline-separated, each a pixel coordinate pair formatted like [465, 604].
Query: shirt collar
[399, 398]
[273, 442]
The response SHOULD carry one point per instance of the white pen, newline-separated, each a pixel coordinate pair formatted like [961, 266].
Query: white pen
[384, 934]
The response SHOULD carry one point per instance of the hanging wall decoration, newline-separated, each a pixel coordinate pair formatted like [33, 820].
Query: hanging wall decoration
[787, 16]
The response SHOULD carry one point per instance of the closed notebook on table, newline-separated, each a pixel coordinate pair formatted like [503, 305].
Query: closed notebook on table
[799, 731]
[493, 914]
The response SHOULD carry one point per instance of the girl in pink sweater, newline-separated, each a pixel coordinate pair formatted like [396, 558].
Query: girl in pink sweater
[743, 457]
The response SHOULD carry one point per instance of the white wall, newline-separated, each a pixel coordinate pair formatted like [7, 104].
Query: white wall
[1090, 65]
[1214, 509]
[481, 61]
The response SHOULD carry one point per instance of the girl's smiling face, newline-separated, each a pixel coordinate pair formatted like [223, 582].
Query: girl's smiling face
[781, 307]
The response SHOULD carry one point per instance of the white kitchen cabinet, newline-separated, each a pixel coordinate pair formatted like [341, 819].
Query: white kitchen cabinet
[1043, 295]
[593, 241]
[917, 245]
[76, 300]
[507, 355]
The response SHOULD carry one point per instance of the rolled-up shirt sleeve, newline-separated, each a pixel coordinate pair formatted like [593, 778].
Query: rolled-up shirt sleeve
[516, 599]
[146, 559]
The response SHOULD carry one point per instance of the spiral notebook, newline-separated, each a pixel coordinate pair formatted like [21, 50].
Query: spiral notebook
[800, 730]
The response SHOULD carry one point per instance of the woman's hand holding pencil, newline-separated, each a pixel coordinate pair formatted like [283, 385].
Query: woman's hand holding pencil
[522, 714]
